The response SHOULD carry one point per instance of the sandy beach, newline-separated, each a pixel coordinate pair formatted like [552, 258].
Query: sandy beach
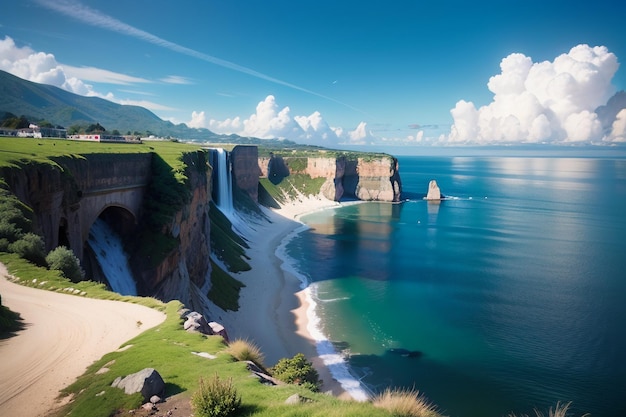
[273, 306]
[64, 334]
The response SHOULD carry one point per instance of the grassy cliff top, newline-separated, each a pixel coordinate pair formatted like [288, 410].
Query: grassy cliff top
[15, 151]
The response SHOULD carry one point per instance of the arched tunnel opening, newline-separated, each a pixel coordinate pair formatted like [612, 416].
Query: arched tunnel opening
[104, 256]
[64, 239]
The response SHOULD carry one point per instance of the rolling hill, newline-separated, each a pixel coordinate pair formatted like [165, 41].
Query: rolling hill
[45, 102]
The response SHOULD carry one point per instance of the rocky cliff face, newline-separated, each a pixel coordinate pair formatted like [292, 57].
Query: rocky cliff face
[184, 274]
[370, 179]
[70, 194]
[245, 170]
[66, 197]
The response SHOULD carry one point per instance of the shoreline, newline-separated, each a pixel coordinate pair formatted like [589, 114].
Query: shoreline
[275, 307]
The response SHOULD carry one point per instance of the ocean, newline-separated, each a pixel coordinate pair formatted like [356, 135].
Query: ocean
[507, 296]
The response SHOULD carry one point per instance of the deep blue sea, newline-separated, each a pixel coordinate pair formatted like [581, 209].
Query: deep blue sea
[513, 289]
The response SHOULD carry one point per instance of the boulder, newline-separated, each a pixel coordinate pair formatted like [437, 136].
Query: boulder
[433, 191]
[197, 323]
[218, 329]
[147, 381]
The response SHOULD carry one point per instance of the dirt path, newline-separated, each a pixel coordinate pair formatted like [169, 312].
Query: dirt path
[64, 334]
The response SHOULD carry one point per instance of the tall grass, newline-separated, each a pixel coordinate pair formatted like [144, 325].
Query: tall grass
[244, 350]
[560, 410]
[405, 403]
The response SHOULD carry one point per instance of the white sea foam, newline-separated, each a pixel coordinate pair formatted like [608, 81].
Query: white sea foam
[334, 361]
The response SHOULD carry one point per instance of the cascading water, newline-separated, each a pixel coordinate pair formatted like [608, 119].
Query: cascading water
[224, 182]
[107, 246]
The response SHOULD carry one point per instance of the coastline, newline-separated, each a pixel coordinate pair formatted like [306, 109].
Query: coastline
[275, 308]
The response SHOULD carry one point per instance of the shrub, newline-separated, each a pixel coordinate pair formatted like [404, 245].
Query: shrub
[9, 231]
[215, 398]
[405, 403]
[30, 247]
[64, 260]
[242, 350]
[297, 370]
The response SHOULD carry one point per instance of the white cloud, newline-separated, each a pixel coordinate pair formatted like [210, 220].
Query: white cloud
[316, 130]
[102, 76]
[361, 135]
[269, 121]
[541, 102]
[176, 79]
[43, 68]
[618, 129]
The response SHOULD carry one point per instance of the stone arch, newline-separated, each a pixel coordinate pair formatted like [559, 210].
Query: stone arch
[123, 222]
[121, 219]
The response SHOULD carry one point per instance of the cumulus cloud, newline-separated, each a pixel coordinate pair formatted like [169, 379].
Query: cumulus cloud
[538, 102]
[270, 121]
[618, 129]
[43, 68]
[38, 67]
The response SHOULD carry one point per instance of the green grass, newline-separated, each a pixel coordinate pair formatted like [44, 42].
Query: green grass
[35, 276]
[224, 291]
[17, 151]
[292, 187]
[227, 245]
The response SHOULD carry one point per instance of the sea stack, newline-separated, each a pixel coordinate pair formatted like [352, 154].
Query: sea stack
[433, 191]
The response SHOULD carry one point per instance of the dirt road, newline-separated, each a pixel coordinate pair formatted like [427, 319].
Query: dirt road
[64, 334]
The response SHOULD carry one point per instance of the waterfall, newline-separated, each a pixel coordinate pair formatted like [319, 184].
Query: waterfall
[224, 182]
[109, 251]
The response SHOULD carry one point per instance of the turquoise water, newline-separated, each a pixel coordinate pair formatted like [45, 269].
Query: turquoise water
[513, 289]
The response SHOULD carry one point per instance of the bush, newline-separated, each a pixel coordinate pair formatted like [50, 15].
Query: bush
[64, 260]
[297, 370]
[405, 403]
[215, 398]
[30, 247]
[242, 350]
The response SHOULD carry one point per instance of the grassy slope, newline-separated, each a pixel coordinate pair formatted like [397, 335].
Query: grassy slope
[167, 348]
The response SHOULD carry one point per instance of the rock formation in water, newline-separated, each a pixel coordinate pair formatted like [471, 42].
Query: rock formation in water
[433, 191]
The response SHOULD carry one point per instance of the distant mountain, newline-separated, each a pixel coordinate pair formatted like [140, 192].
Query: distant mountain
[45, 102]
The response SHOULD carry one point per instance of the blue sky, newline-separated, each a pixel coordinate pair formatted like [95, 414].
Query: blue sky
[328, 72]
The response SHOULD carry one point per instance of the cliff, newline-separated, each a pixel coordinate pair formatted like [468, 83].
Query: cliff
[67, 194]
[368, 178]
[184, 273]
[162, 212]
[245, 170]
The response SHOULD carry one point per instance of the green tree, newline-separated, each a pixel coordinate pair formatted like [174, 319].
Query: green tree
[62, 259]
[297, 370]
[74, 130]
[30, 247]
[95, 128]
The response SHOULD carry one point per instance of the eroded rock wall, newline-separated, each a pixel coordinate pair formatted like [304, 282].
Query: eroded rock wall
[70, 194]
[185, 271]
[246, 170]
[370, 178]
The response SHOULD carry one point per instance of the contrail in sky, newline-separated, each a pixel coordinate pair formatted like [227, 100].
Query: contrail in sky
[96, 18]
